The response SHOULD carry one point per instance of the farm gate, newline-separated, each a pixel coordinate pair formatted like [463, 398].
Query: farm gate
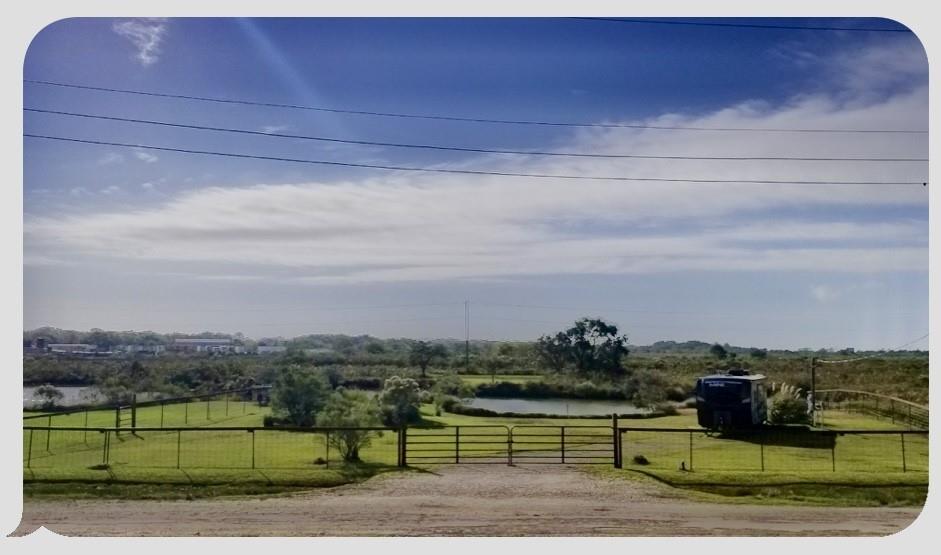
[521, 444]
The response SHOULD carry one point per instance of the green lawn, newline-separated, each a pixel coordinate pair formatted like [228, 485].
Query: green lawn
[200, 462]
[477, 379]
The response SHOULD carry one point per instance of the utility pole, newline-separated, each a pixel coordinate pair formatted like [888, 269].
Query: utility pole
[813, 391]
[466, 335]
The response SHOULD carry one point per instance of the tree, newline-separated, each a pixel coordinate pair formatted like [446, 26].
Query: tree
[400, 399]
[49, 395]
[298, 394]
[424, 353]
[554, 352]
[591, 345]
[718, 351]
[759, 353]
[349, 409]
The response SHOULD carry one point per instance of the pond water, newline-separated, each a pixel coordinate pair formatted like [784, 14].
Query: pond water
[72, 395]
[563, 407]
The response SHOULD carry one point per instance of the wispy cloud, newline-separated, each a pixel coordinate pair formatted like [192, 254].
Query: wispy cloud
[145, 34]
[145, 156]
[110, 158]
[409, 227]
[110, 190]
[274, 128]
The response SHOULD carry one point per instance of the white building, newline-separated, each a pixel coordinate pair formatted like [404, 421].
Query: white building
[271, 349]
[212, 345]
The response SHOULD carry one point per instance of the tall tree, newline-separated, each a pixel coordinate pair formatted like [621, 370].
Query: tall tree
[298, 394]
[591, 345]
[424, 353]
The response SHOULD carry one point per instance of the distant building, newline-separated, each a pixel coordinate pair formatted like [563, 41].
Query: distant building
[271, 349]
[214, 345]
[71, 348]
[142, 349]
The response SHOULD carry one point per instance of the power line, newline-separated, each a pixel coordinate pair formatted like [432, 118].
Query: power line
[463, 172]
[456, 118]
[459, 149]
[741, 25]
[847, 360]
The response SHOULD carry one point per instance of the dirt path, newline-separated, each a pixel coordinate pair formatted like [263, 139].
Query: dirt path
[484, 500]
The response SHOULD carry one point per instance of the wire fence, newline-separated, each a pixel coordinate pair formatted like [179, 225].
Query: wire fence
[775, 450]
[211, 448]
[197, 410]
[898, 411]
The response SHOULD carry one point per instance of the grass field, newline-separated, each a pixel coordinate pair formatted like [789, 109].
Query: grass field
[477, 379]
[211, 462]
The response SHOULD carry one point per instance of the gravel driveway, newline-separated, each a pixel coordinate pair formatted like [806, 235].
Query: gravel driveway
[475, 500]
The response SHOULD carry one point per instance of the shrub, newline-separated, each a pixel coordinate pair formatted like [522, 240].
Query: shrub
[400, 399]
[350, 409]
[788, 410]
[640, 459]
[298, 394]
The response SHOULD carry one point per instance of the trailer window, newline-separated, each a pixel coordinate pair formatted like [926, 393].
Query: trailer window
[724, 391]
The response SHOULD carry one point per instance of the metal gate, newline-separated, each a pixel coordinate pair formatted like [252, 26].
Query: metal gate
[498, 444]
[478, 444]
[563, 444]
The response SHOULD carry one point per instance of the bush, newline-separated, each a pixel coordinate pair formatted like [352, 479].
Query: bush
[400, 400]
[640, 459]
[298, 394]
[788, 410]
[350, 409]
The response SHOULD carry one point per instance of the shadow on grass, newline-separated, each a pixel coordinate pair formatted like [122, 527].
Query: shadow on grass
[793, 437]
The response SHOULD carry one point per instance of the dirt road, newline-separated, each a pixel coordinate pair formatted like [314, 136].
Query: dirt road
[486, 500]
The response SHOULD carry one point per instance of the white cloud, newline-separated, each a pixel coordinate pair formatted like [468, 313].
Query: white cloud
[145, 156]
[111, 189]
[79, 191]
[110, 158]
[145, 34]
[274, 128]
[148, 186]
[422, 226]
[825, 293]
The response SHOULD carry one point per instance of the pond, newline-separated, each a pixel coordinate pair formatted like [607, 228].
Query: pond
[559, 406]
[72, 395]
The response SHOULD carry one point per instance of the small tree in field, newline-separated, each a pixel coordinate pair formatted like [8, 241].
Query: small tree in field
[718, 351]
[424, 353]
[298, 394]
[49, 395]
[400, 400]
[350, 409]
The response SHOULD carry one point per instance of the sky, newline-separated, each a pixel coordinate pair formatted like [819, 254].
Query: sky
[146, 239]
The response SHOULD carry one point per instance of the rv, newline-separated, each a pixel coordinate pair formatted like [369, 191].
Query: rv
[736, 399]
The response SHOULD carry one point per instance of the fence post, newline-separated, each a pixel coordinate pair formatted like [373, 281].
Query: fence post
[179, 434]
[117, 416]
[833, 454]
[509, 447]
[253, 449]
[457, 444]
[904, 467]
[85, 433]
[614, 440]
[691, 450]
[134, 412]
[405, 446]
[104, 449]
[208, 400]
[326, 443]
[48, 430]
[227, 404]
[761, 442]
[29, 454]
[186, 409]
[562, 437]
[162, 405]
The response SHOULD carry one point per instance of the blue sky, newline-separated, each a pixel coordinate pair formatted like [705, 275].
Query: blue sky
[141, 239]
